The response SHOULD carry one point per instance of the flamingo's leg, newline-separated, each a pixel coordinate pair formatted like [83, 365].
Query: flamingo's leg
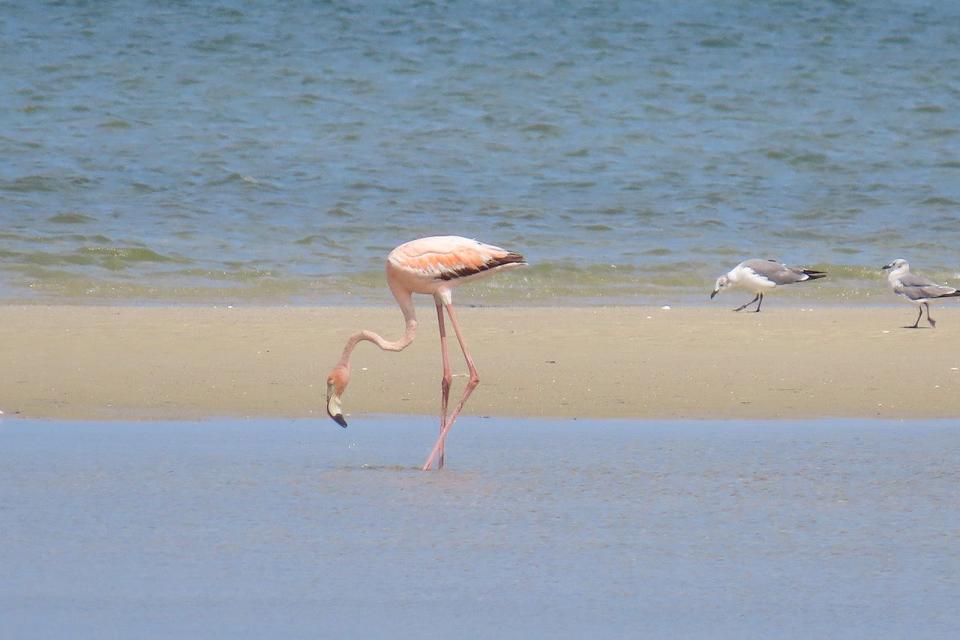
[471, 385]
[445, 381]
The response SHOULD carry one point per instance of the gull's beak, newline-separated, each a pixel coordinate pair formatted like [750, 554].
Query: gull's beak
[886, 266]
[333, 406]
[715, 292]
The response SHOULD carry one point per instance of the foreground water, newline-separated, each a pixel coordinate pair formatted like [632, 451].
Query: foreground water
[235, 150]
[233, 529]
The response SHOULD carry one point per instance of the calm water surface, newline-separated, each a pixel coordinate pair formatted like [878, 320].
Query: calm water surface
[199, 151]
[569, 529]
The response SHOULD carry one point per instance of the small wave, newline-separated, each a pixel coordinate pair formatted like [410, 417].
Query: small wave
[119, 257]
[230, 13]
[243, 180]
[929, 108]
[794, 233]
[849, 272]
[339, 212]
[46, 258]
[143, 187]
[896, 39]
[213, 45]
[43, 183]
[363, 185]
[70, 218]
[235, 275]
[116, 123]
[710, 222]
[322, 239]
[596, 227]
[45, 283]
[724, 107]
[803, 159]
[821, 215]
[543, 128]
[127, 253]
[940, 200]
[728, 41]
[572, 184]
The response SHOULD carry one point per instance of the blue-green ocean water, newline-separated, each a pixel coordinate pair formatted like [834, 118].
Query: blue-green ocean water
[196, 151]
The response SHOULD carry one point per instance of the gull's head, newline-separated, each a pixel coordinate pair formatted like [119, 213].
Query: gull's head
[722, 281]
[897, 264]
[337, 383]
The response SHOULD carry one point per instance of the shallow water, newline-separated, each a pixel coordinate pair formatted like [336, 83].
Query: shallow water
[297, 529]
[251, 151]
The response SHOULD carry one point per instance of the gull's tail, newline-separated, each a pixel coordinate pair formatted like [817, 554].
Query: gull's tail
[812, 274]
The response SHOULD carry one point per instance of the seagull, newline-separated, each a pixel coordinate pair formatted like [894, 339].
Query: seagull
[917, 290]
[760, 276]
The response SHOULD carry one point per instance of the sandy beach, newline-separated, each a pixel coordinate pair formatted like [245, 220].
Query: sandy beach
[86, 362]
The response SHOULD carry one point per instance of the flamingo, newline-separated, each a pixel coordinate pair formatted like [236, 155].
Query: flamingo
[431, 266]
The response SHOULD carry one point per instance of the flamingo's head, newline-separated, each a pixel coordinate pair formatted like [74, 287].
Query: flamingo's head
[337, 383]
[722, 281]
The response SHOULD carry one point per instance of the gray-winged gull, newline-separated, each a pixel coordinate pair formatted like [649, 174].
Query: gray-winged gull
[761, 276]
[916, 289]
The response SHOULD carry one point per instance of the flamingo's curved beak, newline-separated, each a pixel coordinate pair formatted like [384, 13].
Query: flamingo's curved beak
[334, 410]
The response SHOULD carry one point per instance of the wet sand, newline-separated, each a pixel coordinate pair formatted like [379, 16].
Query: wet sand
[84, 362]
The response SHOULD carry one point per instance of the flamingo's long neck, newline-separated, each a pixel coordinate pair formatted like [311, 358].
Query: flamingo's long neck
[405, 300]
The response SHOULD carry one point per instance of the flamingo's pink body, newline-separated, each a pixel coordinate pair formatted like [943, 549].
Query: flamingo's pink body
[432, 266]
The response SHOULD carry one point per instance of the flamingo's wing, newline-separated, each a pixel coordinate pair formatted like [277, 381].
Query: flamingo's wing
[451, 257]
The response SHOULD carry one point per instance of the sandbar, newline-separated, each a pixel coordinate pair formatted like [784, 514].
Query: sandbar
[189, 362]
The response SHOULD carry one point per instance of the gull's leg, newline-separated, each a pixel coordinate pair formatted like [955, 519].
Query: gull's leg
[742, 307]
[759, 303]
[445, 381]
[471, 385]
[933, 323]
[916, 324]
